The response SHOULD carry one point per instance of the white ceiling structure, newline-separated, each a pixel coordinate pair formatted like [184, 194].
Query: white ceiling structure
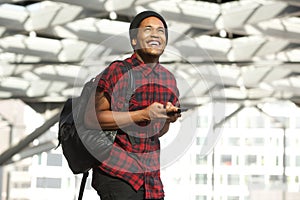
[245, 51]
[252, 44]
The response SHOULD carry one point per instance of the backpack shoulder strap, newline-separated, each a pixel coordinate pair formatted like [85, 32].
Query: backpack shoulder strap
[131, 82]
[82, 184]
[130, 90]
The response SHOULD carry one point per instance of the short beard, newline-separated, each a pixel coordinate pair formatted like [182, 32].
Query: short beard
[140, 51]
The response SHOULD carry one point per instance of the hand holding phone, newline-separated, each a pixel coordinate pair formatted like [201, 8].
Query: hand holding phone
[179, 110]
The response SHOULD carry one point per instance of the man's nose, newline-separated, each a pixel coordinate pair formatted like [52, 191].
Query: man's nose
[154, 33]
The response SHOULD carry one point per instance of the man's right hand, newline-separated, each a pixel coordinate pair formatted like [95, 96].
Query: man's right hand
[159, 111]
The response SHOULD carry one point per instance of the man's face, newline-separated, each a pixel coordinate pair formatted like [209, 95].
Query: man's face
[151, 37]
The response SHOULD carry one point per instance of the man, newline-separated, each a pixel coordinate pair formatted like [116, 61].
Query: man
[132, 170]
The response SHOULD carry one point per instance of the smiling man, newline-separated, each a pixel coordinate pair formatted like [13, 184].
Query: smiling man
[132, 171]
[149, 40]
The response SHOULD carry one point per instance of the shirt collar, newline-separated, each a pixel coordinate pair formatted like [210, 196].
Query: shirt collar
[143, 68]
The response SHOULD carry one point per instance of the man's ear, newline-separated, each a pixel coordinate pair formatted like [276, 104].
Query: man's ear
[133, 42]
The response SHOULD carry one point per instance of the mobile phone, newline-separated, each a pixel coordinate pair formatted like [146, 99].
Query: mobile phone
[179, 110]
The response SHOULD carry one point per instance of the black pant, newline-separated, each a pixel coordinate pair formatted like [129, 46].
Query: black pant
[111, 188]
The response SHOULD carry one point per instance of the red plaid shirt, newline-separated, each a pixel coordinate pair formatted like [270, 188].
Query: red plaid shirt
[136, 159]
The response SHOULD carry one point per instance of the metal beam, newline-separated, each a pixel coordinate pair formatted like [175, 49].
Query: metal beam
[228, 117]
[47, 146]
[8, 154]
[1, 181]
[282, 125]
[273, 119]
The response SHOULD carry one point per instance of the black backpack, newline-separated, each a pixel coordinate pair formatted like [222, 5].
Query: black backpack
[83, 148]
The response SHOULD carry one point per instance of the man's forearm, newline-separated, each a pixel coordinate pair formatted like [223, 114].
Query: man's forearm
[110, 120]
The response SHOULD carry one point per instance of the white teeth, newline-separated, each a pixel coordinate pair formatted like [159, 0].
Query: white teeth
[154, 43]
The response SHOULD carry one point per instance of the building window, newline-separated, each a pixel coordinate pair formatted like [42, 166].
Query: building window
[201, 160]
[275, 179]
[255, 179]
[255, 141]
[48, 182]
[233, 179]
[259, 141]
[289, 142]
[202, 122]
[201, 179]
[200, 140]
[297, 122]
[39, 159]
[297, 161]
[21, 185]
[237, 162]
[19, 199]
[226, 160]
[285, 121]
[233, 198]
[234, 141]
[250, 160]
[297, 141]
[22, 168]
[54, 159]
[201, 197]
[262, 160]
[287, 161]
[277, 161]
[255, 122]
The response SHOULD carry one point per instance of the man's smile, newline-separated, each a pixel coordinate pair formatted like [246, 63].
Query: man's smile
[154, 43]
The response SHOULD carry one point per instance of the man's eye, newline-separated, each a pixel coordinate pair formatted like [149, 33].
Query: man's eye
[161, 30]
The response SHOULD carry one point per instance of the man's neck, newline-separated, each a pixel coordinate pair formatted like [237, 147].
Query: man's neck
[147, 59]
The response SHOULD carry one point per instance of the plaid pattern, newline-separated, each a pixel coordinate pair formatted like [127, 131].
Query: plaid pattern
[137, 162]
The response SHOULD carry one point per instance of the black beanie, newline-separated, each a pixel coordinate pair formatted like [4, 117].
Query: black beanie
[135, 23]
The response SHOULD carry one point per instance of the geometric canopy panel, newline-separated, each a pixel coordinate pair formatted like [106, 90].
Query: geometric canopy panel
[248, 49]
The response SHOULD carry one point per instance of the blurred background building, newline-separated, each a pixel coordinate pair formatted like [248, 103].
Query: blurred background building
[237, 66]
